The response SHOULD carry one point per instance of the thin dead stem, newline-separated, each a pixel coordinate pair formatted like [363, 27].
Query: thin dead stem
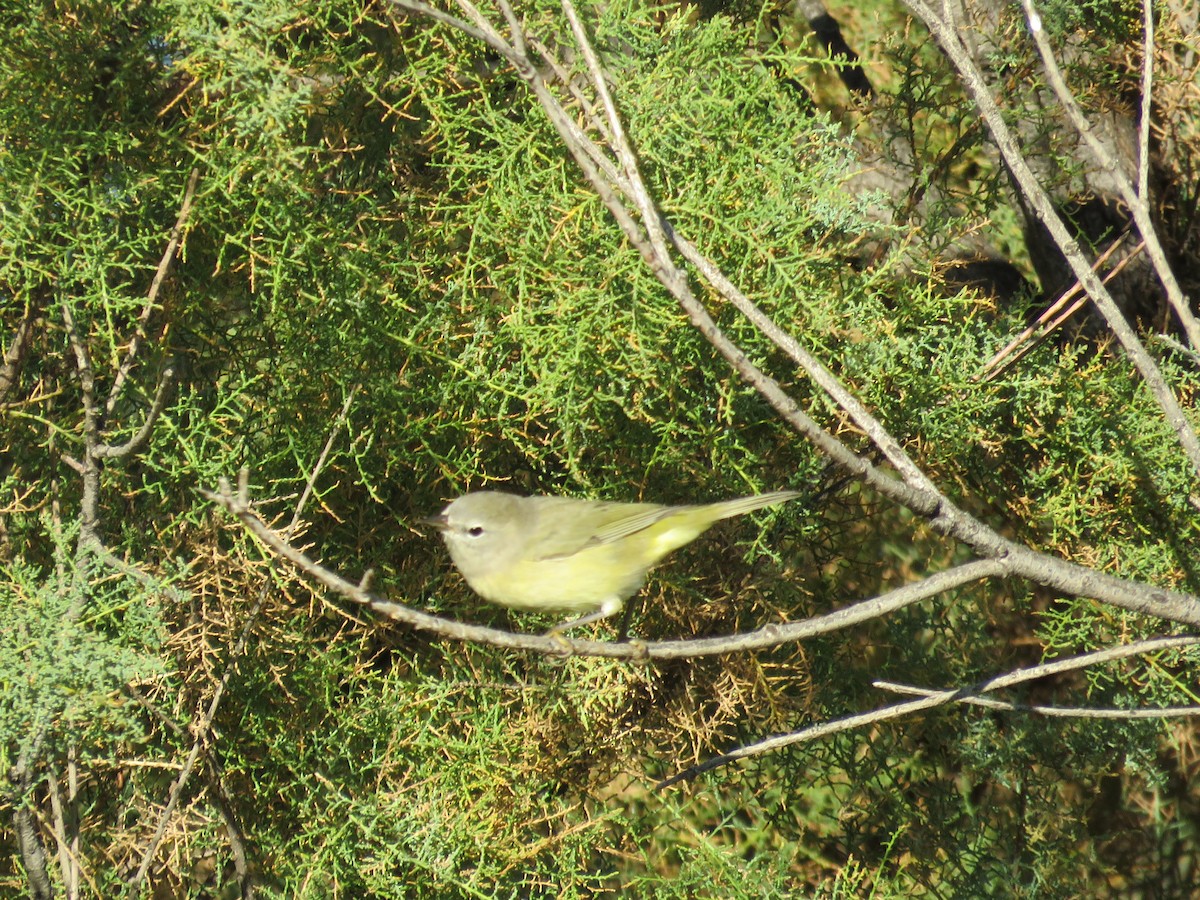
[940, 698]
[948, 35]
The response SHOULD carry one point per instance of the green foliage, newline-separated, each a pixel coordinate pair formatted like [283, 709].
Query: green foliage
[383, 215]
[65, 671]
[1115, 21]
[575, 356]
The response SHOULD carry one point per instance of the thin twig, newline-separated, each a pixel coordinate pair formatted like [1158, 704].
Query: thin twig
[835, 726]
[1051, 319]
[89, 468]
[73, 798]
[620, 144]
[102, 554]
[486, 35]
[135, 444]
[67, 862]
[515, 30]
[164, 266]
[1174, 344]
[1143, 182]
[1053, 712]
[322, 458]
[204, 726]
[972, 79]
[1138, 204]
[938, 698]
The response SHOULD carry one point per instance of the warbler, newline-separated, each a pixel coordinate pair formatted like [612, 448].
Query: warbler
[561, 554]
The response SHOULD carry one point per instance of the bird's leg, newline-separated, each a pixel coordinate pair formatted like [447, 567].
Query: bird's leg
[626, 619]
[609, 607]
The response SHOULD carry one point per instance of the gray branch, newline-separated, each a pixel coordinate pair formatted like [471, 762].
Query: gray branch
[937, 698]
[947, 34]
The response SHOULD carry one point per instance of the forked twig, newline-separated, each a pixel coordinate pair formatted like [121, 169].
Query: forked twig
[940, 698]
[1054, 316]
[1052, 712]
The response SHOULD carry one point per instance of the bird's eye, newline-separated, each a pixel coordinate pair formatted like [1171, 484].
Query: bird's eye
[475, 530]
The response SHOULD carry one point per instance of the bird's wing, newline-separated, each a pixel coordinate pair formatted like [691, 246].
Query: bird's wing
[563, 531]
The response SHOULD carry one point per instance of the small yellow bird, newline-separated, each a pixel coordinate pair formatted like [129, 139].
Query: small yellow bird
[569, 555]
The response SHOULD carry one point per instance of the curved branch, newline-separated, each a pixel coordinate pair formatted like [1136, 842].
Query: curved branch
[769, 636]
[138, 441]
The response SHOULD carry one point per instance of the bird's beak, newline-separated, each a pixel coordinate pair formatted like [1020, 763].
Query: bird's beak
[439, 521]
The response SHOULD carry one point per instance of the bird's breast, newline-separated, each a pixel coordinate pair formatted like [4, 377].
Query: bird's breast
[578, 583]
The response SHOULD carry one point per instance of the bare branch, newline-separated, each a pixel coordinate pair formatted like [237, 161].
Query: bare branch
[1171, 342]
[516, 32]
[18, 350]
[936, 698]
[33, 855]
[836, 726]
[1054, 712]
[138, 441]
[25, 829]
[318, 466]
[1136, 200]
[101, 553]
[1050, 320]
[234, 833]
[66, 826]
[948, 37]
[665, 271]
[1143, 174]
[88, 468]
[486, 34]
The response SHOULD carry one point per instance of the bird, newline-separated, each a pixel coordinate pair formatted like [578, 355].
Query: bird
[564, 554]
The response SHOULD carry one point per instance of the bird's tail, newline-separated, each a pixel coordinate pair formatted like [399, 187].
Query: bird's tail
[728, 508]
